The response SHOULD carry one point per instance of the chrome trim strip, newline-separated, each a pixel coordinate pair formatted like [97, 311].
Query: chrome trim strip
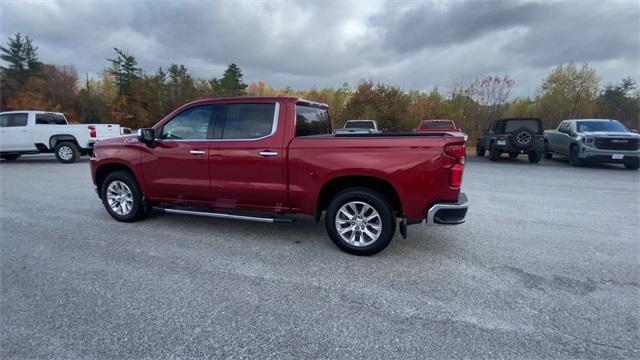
[463, 203]
[215, 215]
[274, 127]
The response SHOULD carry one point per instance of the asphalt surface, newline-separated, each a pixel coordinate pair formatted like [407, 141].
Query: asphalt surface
[547, 266]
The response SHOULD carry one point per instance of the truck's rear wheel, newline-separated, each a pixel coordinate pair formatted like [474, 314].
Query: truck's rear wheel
[67, 152]
[479, 150]
[360, 221]
[122, 198]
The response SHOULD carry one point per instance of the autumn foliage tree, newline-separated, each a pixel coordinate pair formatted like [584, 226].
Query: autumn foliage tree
[125, 94]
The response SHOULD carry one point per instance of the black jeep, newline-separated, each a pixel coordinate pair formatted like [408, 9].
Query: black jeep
[513, 136]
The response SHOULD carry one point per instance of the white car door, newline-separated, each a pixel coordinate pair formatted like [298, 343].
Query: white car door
[14, 132]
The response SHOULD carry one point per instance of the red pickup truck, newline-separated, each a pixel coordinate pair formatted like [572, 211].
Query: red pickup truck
[270, 158]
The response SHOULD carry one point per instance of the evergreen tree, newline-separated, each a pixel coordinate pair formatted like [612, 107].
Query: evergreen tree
[125, 70]
[22, 65]
[231, 83]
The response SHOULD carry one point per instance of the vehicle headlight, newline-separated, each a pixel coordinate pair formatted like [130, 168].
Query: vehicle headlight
[588, 140]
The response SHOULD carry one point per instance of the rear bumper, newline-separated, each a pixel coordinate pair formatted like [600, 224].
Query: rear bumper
[449, 213]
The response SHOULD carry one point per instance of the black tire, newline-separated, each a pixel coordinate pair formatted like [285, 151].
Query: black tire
[547, 152]
[535, 156]
[139, 207]
[522, 137]
[479, 150]
[494, 153]
[67, 152]
[379, 203]
[574, 159]
[513, 155]
[632, 164]
[10, 157]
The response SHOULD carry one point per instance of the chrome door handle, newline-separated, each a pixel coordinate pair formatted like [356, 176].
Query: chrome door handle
[197, 152]
[267, 153]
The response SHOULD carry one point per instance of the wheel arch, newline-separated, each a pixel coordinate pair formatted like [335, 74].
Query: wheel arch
[55, 139]
[104, 170]
[335, 185]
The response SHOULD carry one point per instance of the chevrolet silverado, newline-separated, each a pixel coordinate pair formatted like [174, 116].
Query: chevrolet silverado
[34, 132]
[270, 158]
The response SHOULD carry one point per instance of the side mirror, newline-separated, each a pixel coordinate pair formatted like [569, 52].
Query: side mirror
[147, 136]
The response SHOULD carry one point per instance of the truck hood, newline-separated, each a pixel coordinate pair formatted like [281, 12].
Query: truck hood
[122, 139]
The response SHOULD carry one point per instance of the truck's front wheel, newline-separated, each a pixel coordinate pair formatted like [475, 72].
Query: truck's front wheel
[360, 221]
[122, 198]
[67, 152]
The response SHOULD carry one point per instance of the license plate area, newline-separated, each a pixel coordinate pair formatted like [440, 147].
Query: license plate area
[617, 156]
[501, 142]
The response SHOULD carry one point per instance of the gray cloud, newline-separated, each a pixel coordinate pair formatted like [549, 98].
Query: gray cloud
[301, 44]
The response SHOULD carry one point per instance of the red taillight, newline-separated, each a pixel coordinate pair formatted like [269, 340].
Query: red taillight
[455, 175]
[458, 152]
[92, 131]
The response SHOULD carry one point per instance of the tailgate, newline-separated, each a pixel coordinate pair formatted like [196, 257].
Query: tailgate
[105, 131]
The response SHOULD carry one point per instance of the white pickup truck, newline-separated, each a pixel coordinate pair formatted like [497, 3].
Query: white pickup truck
[33, 132]
[359, 127]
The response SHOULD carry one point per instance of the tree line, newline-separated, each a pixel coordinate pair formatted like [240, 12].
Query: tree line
[125, 94]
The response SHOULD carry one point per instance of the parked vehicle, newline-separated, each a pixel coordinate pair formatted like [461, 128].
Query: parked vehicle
[359, 126]
[270, 158]
[513, 136]
[437, 125]
[594, 140]
[33, 132]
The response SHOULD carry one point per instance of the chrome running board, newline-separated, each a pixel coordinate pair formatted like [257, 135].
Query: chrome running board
[264, 219]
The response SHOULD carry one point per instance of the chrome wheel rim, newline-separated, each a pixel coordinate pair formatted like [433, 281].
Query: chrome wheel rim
[119, 197]
[65, 153]
[358, 224]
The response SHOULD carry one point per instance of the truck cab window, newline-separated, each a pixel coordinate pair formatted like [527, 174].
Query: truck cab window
[191, 124]
[50, 119]
[312, 121]
[13, 120]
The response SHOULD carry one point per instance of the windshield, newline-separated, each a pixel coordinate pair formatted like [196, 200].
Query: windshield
[592, 126]
[437, 124]
[359, 125]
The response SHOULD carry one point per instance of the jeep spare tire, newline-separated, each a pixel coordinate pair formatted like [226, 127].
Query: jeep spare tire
[522, 137]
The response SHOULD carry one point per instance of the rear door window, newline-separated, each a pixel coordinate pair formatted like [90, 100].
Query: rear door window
[249, 121]
[14, 120]
[50, 119]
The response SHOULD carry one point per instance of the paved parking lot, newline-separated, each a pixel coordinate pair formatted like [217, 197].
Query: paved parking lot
[547, 266]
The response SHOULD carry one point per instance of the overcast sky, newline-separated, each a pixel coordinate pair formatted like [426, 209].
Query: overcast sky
[413, 44]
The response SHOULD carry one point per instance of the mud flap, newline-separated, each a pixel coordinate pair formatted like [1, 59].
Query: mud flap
[403, 227]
